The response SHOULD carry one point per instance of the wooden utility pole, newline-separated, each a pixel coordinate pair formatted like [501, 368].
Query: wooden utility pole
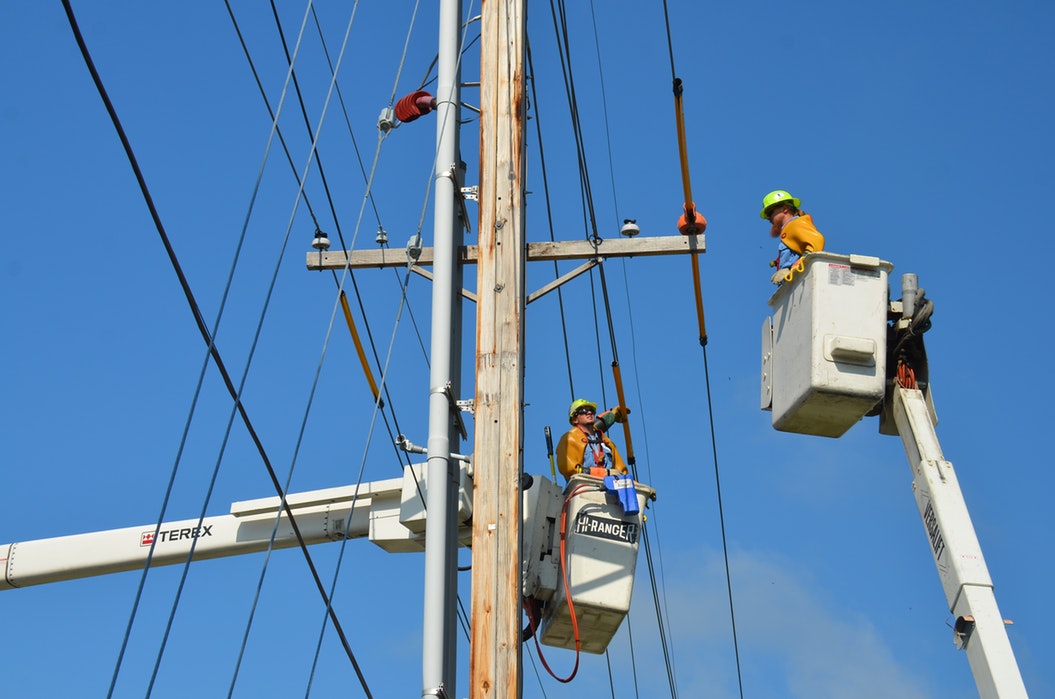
[501, 257]
[495, 665]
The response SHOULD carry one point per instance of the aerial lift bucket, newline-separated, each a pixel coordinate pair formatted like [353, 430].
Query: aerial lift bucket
[824, 347]
[601, 544]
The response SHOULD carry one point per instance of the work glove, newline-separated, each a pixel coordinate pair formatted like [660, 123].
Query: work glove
[779, 275]
[610, 417]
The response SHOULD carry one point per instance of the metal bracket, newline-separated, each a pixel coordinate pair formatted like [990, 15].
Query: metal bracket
[455, 411]
[452, 174]
[468, 406]
[584, 267]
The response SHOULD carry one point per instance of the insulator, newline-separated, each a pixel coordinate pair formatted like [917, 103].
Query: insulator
[381, 238]
[415, 105]
[321, 242]
[630, 228]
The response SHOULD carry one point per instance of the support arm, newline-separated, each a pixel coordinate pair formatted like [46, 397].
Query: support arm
[322, 515]
[979, 628]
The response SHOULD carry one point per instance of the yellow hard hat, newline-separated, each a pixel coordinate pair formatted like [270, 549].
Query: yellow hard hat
[777, 196]
[578, 404]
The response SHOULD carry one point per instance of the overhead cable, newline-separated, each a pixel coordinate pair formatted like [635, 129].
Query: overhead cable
[212, 352]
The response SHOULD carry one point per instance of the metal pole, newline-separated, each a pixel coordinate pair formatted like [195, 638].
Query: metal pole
[439, 643]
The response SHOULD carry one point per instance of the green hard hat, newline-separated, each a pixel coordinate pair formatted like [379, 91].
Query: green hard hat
[775, 197]
[577, 404]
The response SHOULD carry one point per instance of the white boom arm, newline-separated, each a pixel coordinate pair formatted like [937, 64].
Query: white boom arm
[979, 628]
[390, 512]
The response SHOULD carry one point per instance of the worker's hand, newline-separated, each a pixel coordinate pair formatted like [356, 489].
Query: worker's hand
[610, 417]
[779, 276]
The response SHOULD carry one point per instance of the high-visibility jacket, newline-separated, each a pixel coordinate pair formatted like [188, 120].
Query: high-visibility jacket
[578, 452]
[801, 235]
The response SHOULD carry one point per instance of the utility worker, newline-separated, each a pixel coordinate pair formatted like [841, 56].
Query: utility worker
[585, 445]
[798, 236]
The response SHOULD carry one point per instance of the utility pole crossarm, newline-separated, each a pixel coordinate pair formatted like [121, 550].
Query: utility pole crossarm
[536, 252]
[979, 627]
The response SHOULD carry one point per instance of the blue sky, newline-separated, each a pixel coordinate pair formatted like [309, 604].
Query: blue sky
[917, 134]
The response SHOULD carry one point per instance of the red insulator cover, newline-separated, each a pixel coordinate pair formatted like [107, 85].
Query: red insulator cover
[414, 105]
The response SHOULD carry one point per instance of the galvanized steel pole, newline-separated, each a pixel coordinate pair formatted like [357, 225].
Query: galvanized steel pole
[439, 641]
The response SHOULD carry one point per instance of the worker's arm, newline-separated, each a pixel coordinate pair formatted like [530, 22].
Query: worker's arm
[610, 417]
[569, 457]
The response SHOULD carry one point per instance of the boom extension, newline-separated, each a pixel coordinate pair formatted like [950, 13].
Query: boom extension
[390, 512]
[979, 628]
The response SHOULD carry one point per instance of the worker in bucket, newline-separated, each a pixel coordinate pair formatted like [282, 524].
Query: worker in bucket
[585, 447]
[798, 236]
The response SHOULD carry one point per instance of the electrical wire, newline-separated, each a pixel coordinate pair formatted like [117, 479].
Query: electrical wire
[251, 354]
[212, 352]
[270, 111]
[377, 216]
[601, 272]
[403, 303]
[662, 610]
[538, 675]
[721, 520]
[690, 216]
[564, 45]
[633, 659]
[608, 662]
[329, 610]
[549, 220]
[359, 478]
[318, 158]
[587, 199]
[368, 196]
[604, 113]
[664, 644]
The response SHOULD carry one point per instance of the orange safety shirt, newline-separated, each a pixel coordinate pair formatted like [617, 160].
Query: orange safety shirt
[801, 236]
[571, 453]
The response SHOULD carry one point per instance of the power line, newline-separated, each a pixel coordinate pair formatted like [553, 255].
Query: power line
[213, 352]
[691, 218]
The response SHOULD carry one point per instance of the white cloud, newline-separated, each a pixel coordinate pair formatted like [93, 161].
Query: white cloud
[793, 642]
